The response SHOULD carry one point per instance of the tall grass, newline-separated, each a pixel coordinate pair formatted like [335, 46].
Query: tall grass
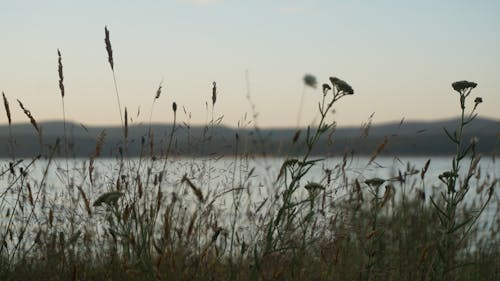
[158, 217]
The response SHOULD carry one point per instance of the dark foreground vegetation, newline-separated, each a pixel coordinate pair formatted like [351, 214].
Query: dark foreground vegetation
[135, 220]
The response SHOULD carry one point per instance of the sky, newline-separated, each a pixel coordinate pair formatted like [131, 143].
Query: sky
[399, 56]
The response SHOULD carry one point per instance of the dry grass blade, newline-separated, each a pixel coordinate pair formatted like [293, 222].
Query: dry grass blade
[97, 152]
[108, 48]
[159, 199]
[195, 190]
[358, 190]
[158, 91]
[51, 217]
[99, 144]
[296, 136]
[28, 114]
[191, 225]
[378, 150]
[30, 195]
[388, 194]
[151, 142]
[365, 127]
[424, 170]
[126, 124]
[214, 93]
[60, 71]
[85, 200]
[370, 234]
[423, 255]
[139, 186]
[7, 108]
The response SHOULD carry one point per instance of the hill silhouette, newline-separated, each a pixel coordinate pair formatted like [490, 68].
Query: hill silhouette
[404, 138]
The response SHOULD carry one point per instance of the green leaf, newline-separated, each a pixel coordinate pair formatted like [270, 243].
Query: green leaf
[441, 213]
[454, 139]
[465, 222]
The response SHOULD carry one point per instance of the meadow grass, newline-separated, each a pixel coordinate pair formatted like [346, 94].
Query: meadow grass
[155, 217]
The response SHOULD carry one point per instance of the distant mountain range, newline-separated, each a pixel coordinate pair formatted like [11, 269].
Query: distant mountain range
[403, 138]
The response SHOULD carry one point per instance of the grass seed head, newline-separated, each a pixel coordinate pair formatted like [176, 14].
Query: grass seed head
[109, 50]
[28, 114]
[7, 108]
[60, 72]
[214, 93]
[158, 91]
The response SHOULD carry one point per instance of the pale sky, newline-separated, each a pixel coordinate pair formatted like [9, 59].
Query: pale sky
[399, 56]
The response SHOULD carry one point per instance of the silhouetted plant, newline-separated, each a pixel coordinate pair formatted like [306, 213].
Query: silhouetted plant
[293, 170]
[454, 228]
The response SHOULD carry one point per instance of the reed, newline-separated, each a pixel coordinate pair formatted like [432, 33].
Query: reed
[30, 117]
[62, 91]
[109, 50]
[9, 119]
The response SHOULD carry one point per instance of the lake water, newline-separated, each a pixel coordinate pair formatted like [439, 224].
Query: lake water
[49, 186]
[211, 174]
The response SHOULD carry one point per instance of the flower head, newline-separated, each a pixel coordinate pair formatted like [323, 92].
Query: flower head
[477, 101]
[326, 88]
[310, 80]
[341, 86]
[314, 188]
[461, 86]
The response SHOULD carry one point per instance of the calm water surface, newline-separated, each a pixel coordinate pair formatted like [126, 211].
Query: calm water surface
[57, 185]
[218, 177]
[211, 173]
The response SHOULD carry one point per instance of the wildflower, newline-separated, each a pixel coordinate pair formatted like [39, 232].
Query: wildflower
[174, 106]
[313, 188]
[342, 86]
[461, 86]
[477, 101]
[334, 80]
[310, 80]
[326, 88]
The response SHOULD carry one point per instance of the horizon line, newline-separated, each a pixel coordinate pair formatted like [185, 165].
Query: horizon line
[382, 123]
